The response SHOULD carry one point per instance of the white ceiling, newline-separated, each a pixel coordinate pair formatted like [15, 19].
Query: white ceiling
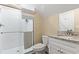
[28, 6]
[50, 9]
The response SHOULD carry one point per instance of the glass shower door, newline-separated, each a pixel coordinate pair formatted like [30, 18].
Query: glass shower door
[10, 39]
[27, 28]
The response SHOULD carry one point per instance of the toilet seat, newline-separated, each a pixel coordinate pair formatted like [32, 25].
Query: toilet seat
[39, 47]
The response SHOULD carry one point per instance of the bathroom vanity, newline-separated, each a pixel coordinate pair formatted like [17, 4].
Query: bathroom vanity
[63, 45]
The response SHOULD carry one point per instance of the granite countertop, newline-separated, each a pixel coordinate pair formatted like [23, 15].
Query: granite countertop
[66, 38]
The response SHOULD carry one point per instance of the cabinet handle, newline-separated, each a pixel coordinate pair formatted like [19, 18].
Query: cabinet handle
[60, 51]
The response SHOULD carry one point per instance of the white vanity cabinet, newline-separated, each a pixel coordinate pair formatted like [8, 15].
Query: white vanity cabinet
[58, 46]
[66, 21]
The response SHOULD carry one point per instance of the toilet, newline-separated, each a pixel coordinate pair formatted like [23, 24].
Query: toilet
[41, 46]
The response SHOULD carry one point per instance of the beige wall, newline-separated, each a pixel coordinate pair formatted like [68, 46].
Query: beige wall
[76, 18]
[50, 25]
[37, 28]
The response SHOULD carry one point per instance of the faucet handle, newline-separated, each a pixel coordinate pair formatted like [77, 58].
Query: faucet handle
[1, 25]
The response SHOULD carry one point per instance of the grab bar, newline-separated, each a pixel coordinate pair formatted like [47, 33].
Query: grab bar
[13, 32]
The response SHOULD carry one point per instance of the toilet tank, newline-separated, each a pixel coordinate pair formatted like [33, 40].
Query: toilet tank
[45, 39]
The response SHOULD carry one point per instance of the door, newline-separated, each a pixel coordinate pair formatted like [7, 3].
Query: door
[27, 28]
[10, 30]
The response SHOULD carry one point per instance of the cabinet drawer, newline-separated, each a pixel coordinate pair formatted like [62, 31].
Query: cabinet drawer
[56, 49]
[65, 48]
[65, 43]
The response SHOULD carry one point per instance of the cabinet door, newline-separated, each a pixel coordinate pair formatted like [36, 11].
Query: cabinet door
[52, 48]
[66, 21]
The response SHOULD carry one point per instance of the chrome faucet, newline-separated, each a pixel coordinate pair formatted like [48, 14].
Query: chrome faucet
[69, 32]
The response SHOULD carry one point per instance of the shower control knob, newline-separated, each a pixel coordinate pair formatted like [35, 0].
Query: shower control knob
[1, 25]
[1, 32]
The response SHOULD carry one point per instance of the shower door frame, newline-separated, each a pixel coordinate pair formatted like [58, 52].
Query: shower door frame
[31, 48]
